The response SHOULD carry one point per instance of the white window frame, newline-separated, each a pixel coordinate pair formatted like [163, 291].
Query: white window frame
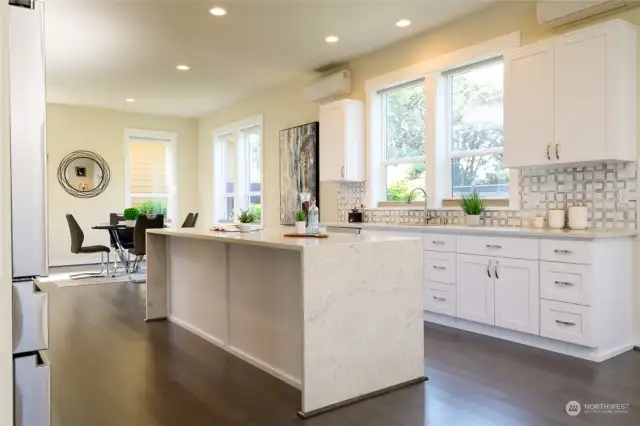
[446, 175]
[436, 148]
[241, 183]
[154, 136]
[384, 163]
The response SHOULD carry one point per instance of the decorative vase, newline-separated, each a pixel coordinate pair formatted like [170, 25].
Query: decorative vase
[301, 227]
[130, 223]
[244, 227]
[473, 220]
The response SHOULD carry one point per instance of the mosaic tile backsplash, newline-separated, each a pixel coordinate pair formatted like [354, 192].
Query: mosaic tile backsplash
[608, 190]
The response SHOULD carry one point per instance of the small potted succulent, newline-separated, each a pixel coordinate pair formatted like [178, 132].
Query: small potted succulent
[301, 222]
[130, 216]
[473, 206]
[246, 218]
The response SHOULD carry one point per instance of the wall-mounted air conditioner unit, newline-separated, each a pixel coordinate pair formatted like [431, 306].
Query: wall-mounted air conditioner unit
[555, 13]
[332, 87]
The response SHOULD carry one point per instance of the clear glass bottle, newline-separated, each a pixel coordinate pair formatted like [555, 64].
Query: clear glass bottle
[313, 218]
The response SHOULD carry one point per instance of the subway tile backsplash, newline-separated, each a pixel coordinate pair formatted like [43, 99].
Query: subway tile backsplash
[607, 189]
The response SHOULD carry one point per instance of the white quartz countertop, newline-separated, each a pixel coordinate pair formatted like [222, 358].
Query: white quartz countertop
[274, 238]
[588, 234]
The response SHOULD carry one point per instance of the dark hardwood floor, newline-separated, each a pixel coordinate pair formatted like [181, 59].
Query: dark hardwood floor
[110, 368]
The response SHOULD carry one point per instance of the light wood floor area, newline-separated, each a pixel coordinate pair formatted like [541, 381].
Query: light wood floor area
[110, 368]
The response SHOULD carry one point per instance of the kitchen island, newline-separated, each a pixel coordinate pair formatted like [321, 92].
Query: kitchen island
[339, 318]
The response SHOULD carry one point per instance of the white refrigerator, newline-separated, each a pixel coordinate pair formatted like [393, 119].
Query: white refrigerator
[29, 212]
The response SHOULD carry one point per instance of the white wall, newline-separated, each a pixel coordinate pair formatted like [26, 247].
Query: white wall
[71, 128]
[6, 327]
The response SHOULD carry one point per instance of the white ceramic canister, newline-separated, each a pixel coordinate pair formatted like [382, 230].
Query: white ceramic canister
[556, 218]
[578, 217]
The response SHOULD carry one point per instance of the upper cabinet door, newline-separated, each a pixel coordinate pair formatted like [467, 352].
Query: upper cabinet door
[584, 93]
[333, 130]
[528, 106]
[517, 294]
[475, 298]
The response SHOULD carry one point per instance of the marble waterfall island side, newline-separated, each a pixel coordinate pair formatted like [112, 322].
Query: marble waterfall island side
[339, 318]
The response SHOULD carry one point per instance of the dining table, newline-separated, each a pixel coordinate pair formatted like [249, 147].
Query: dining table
[115, 237]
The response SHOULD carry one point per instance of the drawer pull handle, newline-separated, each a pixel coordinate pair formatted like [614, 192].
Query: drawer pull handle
[489, 269]
[438, 242]
[563, 283]
[562, 251]
[439, 299]
[566, 322]
[439, 268]
[494, 246]
[496, 270]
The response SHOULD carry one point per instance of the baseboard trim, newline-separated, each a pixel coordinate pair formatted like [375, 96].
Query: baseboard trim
[256, 362]
[570, 349]
[307, 414]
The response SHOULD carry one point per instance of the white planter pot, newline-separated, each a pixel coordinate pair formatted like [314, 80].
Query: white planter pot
[301, 227]
[130, 223]
[473, 220]
[244, 227]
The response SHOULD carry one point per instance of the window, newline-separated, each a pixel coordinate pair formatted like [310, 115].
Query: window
[149, 163]
[475, 130]
[238, 169]
[403, 162]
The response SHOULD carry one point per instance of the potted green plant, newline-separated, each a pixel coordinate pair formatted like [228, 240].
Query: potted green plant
[473, 206]
[246, 218]
[301, 222]
[130, 216]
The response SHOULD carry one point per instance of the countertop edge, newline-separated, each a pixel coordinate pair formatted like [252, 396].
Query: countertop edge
[589, 234]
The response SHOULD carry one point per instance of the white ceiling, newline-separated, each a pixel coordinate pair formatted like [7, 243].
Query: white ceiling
[100, 52]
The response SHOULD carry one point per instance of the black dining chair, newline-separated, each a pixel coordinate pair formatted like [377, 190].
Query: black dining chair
[139, 249]
[124, 235]
[188, 221]
[77, 239]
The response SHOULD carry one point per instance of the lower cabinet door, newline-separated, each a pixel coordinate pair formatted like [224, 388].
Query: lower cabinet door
[32, 390]
[440, 298]
[475, 293]
[517, 294]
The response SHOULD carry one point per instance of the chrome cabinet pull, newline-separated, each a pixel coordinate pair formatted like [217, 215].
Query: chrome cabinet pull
[565, 322]
[548, 151]
[563, 283]
[489, 269]
[439, 268]
[439, 299]
[437, 242]
[342, 171]
[557, 151]
[495, 269]
[494, 246]
[562, 251]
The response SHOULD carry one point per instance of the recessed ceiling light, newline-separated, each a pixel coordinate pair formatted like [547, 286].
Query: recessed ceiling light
[183, 67]
[403, 23]
[217, 11]
[131, 100]
[332, 39]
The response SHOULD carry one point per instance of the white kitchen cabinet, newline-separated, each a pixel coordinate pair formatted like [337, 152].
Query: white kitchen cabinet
[475, 290]
[341, 141]
[528, 105]
[567, 100]
[517, 295]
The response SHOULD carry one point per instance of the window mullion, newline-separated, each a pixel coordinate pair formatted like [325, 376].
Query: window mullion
[476, 152]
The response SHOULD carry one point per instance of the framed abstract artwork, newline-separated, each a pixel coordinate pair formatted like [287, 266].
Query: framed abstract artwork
[299, 172]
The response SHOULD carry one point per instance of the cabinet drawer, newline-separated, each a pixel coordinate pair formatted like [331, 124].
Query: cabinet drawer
[565, 282]
[440, 298]
[518, 248]
[32, 389]
[567, 322]
[439, 242]
[566, 251]
[440, 267]
[30, 317]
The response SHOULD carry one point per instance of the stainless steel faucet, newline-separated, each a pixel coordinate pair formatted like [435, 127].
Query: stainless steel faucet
[426, 217]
